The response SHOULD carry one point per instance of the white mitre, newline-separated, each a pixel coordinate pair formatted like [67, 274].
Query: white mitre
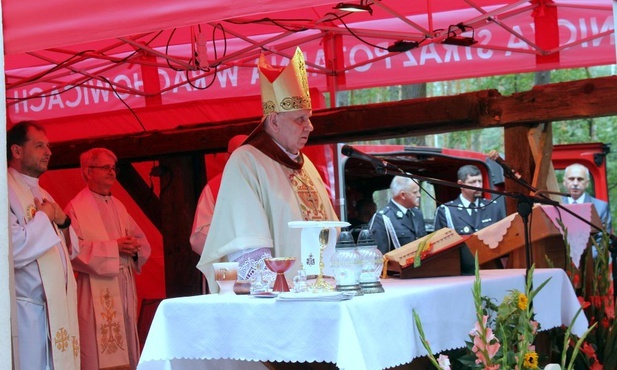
[284, 89]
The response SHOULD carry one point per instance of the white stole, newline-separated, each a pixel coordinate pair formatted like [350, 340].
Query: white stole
[111, 341]
[60, 287]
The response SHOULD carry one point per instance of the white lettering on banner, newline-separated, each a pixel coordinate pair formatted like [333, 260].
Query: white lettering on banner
[237, 80]
[199, 83]
[582, 31]
[223, 76]
[429, 53]
[228, 73]
[179, 82]
[72, 97]
[98, 93]
[411, 60]
[382, 52]
[166, 80]
[484, 37]
[73, 103]
[352, 57]
[122, 78]
[138, 82]
[516, 43]
[55, 99]
[254, 75]
[320, 60]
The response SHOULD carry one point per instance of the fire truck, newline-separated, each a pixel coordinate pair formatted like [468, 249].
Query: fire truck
[351, 179]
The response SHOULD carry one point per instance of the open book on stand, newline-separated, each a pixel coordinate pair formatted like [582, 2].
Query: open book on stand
[436, 254]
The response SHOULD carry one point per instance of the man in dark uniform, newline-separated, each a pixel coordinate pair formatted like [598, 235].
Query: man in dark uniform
[469, 212]
[400, 222]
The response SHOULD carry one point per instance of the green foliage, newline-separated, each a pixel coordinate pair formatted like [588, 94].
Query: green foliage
[600, 129]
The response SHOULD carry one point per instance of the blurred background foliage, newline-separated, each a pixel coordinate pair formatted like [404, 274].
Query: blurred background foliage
[602, 129]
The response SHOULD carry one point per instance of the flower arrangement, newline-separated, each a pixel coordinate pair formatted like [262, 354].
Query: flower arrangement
[593, 284]
[504, 334]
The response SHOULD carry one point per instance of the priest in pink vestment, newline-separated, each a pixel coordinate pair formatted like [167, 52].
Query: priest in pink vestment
[112, 249]
[268, 181]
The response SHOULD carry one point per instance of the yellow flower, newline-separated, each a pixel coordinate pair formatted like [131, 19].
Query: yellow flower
[531, 358]
[522, 301]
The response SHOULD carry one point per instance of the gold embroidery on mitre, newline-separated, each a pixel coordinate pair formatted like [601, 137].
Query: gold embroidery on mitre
[284, 89]
[311, 206]
[112, 337]
[268, 107]
[62, 339]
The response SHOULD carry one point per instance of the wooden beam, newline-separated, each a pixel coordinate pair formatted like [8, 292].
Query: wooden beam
[546, 103]
[555, 102]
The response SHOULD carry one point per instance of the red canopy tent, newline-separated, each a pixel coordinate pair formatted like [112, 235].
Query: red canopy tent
[87, 69]
[75, 59]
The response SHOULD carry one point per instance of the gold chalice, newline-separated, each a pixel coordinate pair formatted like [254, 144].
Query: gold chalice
[321, 284]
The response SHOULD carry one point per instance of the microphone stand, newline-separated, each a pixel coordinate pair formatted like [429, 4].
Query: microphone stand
[524, 205]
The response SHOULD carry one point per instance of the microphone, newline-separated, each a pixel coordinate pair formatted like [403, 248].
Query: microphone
[379, 164]
[509, 172]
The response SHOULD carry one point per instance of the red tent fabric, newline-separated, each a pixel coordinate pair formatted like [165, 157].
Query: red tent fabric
[178, 63]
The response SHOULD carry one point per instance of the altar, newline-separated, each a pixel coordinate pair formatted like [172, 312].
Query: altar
[369, 332]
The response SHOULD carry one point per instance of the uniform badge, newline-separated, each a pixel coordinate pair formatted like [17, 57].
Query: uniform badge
[466, 229]
[399, 214]
[30, 212]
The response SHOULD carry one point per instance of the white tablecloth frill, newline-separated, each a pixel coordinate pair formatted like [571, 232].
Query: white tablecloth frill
[368, 332]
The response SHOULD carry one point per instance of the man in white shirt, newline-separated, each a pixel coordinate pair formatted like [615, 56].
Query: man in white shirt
[575, 181]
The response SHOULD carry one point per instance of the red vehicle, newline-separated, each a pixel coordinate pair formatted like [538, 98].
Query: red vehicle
[591, 155]
[352, 179]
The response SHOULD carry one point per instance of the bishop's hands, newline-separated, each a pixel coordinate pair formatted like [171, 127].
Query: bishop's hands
[128, 245]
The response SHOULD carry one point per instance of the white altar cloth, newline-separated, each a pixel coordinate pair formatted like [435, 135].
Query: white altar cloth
[370, 332]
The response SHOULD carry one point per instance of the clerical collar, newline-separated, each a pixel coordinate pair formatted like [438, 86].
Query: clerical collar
[106, 198]
[265, 144]
[30, 180]
[293, 157]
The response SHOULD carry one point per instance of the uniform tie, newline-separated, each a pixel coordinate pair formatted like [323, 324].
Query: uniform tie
[410, 217]
[473, 209]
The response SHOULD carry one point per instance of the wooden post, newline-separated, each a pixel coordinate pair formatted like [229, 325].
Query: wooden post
[178, 202]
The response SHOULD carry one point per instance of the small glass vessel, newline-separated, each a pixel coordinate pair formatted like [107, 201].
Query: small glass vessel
[346, 264]
[372, 263]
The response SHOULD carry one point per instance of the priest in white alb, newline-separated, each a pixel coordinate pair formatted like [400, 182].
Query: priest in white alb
[112, 249]
[42, 243]
[268, 181]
